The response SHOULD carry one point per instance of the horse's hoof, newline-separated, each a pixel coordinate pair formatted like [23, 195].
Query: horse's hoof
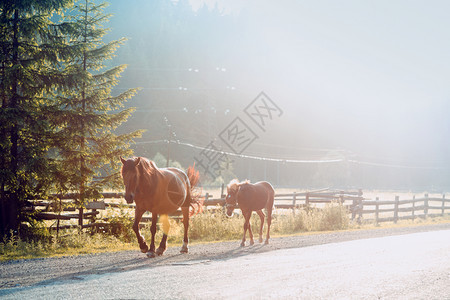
[266, 242]
[144, 249]
[252, 243]
[242, 244]
[160, 251]
[151, 254]
[260, 240]
[184, 248]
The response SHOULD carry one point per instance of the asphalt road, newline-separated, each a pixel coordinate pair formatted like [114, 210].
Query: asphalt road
[410, 266]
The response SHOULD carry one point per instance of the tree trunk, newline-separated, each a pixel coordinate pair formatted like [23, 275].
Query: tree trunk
[12, 199]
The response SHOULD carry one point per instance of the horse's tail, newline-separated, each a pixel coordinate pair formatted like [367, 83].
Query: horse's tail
[195, 192]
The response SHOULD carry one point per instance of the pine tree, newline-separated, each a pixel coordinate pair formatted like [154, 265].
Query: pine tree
[88, 148]
[28, 57]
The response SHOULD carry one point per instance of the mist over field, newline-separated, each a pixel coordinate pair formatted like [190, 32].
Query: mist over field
[361, 89]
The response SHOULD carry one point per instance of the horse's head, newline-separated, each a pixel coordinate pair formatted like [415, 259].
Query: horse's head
[231, 199]
[130, 176]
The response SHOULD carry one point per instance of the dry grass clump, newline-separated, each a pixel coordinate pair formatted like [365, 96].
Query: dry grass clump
[72, 243]
[214, 225]
[333, 216]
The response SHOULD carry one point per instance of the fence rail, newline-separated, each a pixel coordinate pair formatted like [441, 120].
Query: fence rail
[359, 208]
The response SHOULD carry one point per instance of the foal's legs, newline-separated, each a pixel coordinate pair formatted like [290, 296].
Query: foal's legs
[184, 248]
[261, 217]
[165, 227]
[137, 218]
[250, 233]
[247, 216]
[269, 221]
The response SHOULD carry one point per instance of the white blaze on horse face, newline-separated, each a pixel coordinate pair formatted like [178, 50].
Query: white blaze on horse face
[230, 212]
[230, 204]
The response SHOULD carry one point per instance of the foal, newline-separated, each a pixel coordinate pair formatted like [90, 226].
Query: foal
[251, 197]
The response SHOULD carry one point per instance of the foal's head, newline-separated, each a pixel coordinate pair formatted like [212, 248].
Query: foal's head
[130, 176]
[231, 199]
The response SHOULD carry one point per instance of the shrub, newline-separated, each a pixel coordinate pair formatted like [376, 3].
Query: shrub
[35, 231]
[288, 222]
[120, 224]
[333, 216]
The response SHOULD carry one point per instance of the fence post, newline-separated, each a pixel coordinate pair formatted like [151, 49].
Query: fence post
[294, 199]
[443, 204]
[92, 219]
[413, 207]
[353, 209]
[307, 200]
[360, 205]
[221, 191]
[80, 217]
[396, 209]
[60, 208]
[361, 208]
[377, 207]
[425, 203]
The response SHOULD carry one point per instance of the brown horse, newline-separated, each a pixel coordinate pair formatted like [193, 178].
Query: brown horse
[251, 197]
[160, 191]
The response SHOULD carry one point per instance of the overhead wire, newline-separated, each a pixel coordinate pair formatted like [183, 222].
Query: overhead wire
[282, 160]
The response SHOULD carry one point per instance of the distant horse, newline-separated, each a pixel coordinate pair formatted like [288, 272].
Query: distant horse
[160, 191]
[251, 197]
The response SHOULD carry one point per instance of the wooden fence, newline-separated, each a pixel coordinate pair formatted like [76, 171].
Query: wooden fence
[359, 208]
[394, 210]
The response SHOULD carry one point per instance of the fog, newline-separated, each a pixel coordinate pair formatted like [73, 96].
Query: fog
[364, 82]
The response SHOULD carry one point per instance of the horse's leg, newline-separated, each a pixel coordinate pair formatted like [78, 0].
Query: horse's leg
[261, 217]
[184, 248]
[269, 221]
[137, 218]
[246, 226]
[250, 233]
[166, 227]
[151, 253]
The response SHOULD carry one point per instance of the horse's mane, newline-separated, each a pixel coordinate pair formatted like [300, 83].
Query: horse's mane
[149, 170]
[234, 185]
[148, 166]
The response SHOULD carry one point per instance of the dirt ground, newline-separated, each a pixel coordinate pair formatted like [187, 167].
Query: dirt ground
[23, 273]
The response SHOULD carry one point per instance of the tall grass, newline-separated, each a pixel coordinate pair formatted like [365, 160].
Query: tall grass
[212, 225]
[72, 243]
[215, 225]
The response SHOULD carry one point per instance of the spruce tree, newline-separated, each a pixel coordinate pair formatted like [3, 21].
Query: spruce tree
[88, 148]
[28, 59]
